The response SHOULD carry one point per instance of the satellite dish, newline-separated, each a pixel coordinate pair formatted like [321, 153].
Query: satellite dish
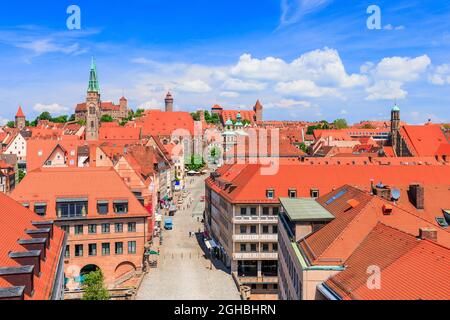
[396, 194]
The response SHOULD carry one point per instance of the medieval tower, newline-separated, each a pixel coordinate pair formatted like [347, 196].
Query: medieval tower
[93, 105]
[169, 102]
[20, 119]
[395, 127]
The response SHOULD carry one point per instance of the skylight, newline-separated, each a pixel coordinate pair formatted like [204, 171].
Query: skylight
[339, 195]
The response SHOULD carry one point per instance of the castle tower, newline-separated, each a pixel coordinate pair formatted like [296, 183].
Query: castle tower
[20, 119]
[123, 105]
[258, 111]
[93, 105]
[395, 126]
[169, 102]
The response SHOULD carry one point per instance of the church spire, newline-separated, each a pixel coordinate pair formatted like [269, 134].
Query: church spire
[93, 79]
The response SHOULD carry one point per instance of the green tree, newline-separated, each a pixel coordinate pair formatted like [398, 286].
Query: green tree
[195, 116]
[94, 287]
[195, 163]
[45, 116]
[368, 126]
[22, 175]
[215, 153]
[303, 147]
[61, 119]
[340, 124]
[106, 118]
[139, 113]
[82, 122]
[11, 124]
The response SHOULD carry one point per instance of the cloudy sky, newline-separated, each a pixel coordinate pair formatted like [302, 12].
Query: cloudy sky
[304, 59]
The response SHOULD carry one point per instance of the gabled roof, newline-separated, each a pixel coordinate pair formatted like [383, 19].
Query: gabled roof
[356, 214]
[411, 269]
[423, 140]
[94, 183]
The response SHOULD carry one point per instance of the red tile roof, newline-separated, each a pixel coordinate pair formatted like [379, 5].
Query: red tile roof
[248, 115]
[39, 150]
[115, 133]
[336, 241]
[14, 220]
[95, 183]
[410, 269]
[159, 123]
[423, 140]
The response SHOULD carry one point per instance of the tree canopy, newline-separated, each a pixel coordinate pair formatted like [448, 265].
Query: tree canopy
[195, 163]
[106, 118]
[94, 287]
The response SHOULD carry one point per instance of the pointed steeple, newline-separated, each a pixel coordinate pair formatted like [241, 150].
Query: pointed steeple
[93, 79]
[20, 113]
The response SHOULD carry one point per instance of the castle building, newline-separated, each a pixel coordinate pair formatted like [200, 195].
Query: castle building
[253, 117]
[20, 119]
[94, 109]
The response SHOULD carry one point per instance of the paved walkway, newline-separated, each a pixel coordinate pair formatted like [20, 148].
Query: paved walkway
[183, 271]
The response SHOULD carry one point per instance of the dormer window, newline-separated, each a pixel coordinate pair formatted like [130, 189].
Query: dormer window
[270, 194]
[292, 193]
[120, 206]
[40, 209]
[315, 193]
[102, 207]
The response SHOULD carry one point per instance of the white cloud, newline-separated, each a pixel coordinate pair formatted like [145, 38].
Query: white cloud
[402, 69]
[269, 68]
[440, 75]
[194, 86]
[304, 88]
[386, 90]
[324, 67]
[229, 94]
[151, 104]
[288, 104]
[293, 10]
[241, 85]
[52, 108]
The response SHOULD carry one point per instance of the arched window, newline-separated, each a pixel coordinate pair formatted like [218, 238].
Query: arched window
[92, 110]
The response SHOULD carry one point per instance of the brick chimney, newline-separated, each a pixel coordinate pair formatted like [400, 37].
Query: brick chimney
[428, 234]
[417, 195]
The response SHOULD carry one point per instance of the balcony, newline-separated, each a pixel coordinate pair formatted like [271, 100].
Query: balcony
[255, 219]
[255, 238]
[255, 256]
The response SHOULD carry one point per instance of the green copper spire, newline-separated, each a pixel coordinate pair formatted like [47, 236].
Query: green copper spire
[93, 79]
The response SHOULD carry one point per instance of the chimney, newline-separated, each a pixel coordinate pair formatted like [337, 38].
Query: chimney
[387, 209]
[22, 276]
[202, 115]
[428, 234]
[417, 196]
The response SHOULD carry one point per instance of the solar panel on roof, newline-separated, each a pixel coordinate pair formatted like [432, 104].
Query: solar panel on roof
[339, 195]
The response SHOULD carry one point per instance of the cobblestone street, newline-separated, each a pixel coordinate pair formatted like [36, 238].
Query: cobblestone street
[183, 271]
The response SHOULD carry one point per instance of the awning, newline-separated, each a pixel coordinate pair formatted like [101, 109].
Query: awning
[120, 201]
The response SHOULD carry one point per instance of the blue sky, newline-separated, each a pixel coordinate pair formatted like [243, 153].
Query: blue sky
[305, 59]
